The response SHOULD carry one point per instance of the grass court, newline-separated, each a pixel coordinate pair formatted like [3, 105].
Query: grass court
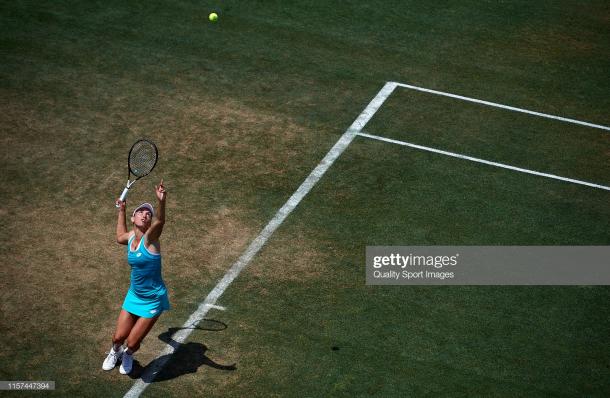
[242, 111]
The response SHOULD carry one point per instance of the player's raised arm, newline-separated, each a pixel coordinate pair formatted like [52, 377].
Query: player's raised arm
[122, 235]
[157, 226]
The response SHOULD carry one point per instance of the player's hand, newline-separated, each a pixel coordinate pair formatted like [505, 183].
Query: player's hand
[160, 191]
[120, 204]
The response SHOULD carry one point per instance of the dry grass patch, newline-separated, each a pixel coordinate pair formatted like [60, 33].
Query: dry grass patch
[213, 246]
[291, 256]
[65, 277]
[229, 138]
[58, 273]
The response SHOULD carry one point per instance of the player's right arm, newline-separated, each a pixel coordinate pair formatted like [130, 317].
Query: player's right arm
[122, 235]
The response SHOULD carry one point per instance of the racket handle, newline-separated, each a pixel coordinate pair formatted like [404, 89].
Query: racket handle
[123, 195]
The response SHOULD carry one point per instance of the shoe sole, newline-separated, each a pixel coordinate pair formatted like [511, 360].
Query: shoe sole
[122, 370]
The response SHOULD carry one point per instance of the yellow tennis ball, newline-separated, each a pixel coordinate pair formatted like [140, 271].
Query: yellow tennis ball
[213, 17]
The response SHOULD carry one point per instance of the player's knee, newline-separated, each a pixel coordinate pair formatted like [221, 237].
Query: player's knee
[119, 338]
[133, 344]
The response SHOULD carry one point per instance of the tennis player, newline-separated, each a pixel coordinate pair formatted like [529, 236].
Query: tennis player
[147, 297]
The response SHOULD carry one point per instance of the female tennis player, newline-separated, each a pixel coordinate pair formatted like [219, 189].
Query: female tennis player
[147, 297]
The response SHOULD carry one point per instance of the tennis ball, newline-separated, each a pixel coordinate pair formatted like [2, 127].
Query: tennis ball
[213, 17]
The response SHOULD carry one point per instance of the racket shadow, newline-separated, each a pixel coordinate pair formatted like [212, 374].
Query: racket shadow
[187, 358]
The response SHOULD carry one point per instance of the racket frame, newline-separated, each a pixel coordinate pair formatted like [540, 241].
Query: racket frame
[129, 172]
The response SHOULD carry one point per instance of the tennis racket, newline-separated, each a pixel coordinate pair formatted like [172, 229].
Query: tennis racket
[141, 161]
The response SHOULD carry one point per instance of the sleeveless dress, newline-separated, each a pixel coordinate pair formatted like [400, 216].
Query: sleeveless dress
[147, 294]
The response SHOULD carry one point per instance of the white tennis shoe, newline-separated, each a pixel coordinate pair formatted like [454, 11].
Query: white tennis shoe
[126, 364]
[112, 358]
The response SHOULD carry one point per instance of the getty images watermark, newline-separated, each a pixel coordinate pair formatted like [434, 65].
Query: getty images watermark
[488, 265]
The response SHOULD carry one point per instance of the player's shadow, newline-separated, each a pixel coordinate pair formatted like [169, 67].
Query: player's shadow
[187, 358]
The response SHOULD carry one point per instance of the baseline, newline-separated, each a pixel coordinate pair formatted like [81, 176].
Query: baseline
[497, 105]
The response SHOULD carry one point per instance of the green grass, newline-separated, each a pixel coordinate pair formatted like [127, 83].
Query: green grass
[242, 110]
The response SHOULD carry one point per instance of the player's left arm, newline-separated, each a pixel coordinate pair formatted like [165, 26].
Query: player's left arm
[157, 226]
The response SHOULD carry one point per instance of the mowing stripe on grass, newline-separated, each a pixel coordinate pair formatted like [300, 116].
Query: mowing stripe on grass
[496, 105]
[181, 335]
[465, 157]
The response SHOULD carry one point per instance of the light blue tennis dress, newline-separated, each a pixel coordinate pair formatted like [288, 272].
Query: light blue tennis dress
[147, 295]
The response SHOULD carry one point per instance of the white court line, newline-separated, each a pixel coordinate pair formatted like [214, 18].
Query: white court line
[181, 335]
[496, 105]
[217, 307]
[502, 165]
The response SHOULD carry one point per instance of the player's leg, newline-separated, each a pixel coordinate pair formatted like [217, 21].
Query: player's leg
[125, 323]
[135, 338]
[139, 332]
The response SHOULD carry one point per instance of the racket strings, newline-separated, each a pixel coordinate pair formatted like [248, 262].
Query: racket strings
[142, 158]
